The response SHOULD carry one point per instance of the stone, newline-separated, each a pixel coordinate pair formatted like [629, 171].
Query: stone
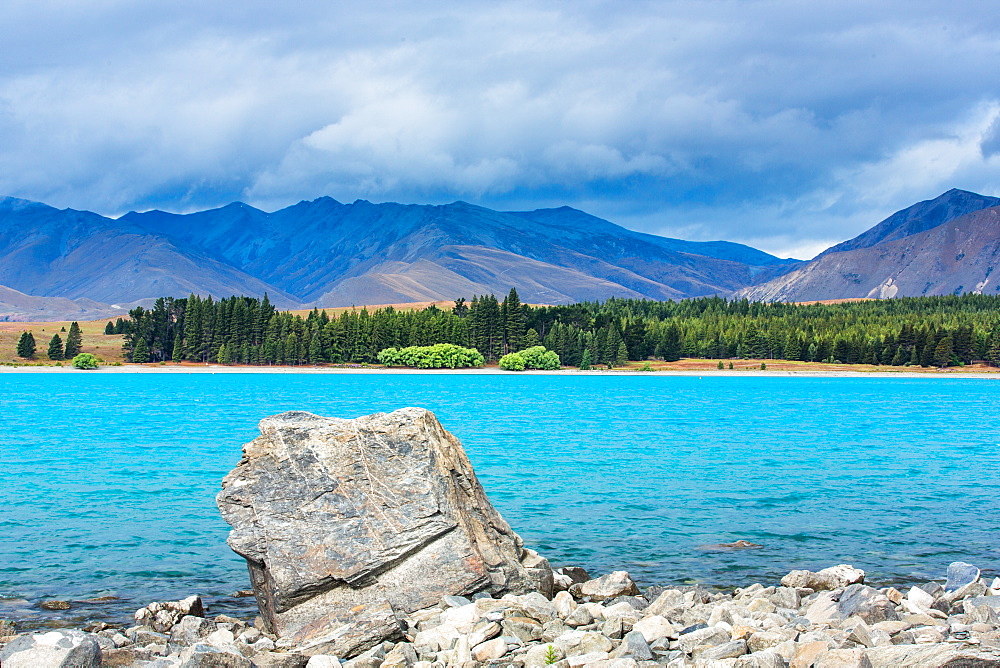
[482, 632]
[584, 659]
[667, 600]
[823, 608]
[574, 573]
[540, 655]
[840, 658]
[762, 640]
[654, 627]
[807, 652]
[609, 586]
[347, 524]
[580, 617]
[323, 661]
[759, 660]
[455, 601]
[522, 628]
[190, 630]
[867, 603]
[54, 605]
[706, 636]
[591, 642]
[564, 604]
[616, 627]
[162, 616]
[402, 656]
[201, 655]
[489, 650]
[54, 649]
[827, 579]
[727, 650]
[960, 574]
[280, 660]
[920, 598]
[636, 647]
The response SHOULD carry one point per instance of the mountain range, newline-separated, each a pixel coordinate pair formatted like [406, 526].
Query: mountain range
[64, 263]
[947, 245]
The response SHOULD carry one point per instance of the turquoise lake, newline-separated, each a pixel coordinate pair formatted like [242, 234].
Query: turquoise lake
[107, 481]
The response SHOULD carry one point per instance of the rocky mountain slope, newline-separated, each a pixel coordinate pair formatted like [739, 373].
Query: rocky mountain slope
[948, 245]
[331, 254]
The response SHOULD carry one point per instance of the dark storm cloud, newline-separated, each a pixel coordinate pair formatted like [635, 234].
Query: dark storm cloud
[787, 125]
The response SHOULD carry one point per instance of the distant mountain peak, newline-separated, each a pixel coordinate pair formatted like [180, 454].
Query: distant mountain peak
[16, 204]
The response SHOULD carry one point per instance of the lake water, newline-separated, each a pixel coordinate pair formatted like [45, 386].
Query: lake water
[107, 481]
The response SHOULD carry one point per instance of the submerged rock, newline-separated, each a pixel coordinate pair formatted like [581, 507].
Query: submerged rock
[347, 525]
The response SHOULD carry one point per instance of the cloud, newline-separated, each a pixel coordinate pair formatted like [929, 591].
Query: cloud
[772, 122]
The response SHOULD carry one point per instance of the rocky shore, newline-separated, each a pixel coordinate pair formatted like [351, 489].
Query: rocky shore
[829, 619]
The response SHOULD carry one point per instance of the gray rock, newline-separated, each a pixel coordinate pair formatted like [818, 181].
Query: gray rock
[280, 660]
[206, 656]
[54, 649]
[606, 587]
[867, 603]
[933, 588]
[574, 573]
[937, 654]
[190, 630]
[522, 628]
[727, 650]
[636, 647]
[827, 579]
[145, 635]
[346, 524]
[759, 660]
[455, 601]
[960, 574]
[705, 636]
[162, 616]
[323, 661]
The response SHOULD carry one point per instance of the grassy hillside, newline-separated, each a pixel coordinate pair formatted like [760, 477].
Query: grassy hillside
[107, 348]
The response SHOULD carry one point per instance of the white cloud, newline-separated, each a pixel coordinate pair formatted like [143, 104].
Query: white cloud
[773, 122]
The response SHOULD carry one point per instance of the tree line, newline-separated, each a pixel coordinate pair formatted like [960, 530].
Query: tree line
[925, 331]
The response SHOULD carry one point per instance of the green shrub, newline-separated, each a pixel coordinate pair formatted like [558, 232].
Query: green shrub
[438, 356]
[84, 361]
[537, 357]
[512, 362]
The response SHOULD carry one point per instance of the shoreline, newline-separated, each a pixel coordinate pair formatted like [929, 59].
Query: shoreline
[740, 373]
[832, 617]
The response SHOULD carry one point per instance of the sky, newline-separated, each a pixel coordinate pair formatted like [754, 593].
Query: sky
[788, 126]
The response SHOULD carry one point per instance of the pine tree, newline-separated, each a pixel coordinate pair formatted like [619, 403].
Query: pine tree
[586, 362]
[26, 346]
[621, 356]
[514, 322]
[56, 347]
[109, 329]
[140, 354]
[74, 341]
[943, 352]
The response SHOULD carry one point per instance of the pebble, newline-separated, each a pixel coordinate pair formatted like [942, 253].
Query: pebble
[608, 623]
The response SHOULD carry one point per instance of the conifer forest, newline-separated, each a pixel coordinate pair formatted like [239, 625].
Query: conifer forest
[924, 331]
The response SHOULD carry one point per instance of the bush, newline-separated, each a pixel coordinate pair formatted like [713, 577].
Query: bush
[84, 361]
[438, 356]
[535, 357]
[512, 362]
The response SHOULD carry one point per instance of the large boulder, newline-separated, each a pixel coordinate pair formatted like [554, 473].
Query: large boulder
[347, 525]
